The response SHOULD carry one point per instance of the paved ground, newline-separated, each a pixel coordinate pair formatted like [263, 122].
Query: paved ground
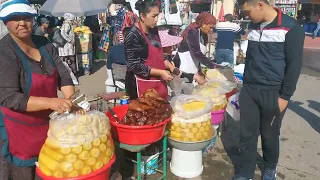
[300, 134]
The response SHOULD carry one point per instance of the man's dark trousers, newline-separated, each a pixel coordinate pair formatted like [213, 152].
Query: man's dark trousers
[259, 115]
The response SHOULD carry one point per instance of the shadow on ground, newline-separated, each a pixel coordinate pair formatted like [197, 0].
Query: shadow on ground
[305, 114]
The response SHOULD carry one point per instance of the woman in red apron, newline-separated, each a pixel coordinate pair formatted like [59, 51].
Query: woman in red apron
[30, 74]
[145, 59]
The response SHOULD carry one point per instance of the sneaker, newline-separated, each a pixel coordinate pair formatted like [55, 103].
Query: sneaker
[269, 174]
[238, 177]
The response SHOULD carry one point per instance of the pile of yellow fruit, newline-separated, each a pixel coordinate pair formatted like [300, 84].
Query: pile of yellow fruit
[82, 29]
[76, 161]
[76, 145]
[190, 131]
[219, 100]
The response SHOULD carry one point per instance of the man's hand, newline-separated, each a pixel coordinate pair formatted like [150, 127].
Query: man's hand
[46, 35]
[282, 104]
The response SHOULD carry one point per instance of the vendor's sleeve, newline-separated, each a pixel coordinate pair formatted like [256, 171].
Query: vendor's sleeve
[194, 47]
[134, 49]
[64, 76]
[293, 57]
[10, 89]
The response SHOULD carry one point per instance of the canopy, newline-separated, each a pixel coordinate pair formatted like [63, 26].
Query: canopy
[78, 8]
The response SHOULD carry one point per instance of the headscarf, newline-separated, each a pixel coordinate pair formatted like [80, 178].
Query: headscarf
[202, 18]
[68, 17]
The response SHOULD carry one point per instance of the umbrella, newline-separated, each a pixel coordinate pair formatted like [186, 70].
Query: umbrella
[78, 8]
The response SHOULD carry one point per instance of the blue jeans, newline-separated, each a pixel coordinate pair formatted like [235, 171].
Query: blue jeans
[224, 55]
[315, 33]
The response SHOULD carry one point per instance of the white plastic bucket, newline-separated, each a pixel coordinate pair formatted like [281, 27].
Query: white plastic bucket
[186, 164]
[150, 163]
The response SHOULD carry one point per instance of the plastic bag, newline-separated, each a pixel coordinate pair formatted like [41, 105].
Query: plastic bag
[191, 130]
[191, 106]
[76, 145]
[176, 85]
[216, 94]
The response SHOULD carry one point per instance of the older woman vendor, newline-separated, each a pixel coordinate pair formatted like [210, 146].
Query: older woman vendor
[30, 74]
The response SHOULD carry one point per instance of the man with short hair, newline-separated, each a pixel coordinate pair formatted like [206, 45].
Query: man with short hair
[273, 64]
[227, 32]
[42, 30]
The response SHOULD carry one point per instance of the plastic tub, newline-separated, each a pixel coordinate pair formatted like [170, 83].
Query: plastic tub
[101, 174]
[135, 135]
[217, 116]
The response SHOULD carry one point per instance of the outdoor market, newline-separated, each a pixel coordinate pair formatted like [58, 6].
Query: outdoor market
[173, 80]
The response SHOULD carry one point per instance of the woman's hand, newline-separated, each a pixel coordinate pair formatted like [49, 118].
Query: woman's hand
[166, 75]
[169, 65]
[60, 105]
[78, 110]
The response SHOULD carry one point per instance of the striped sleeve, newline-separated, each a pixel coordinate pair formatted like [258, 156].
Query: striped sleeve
[134, 49]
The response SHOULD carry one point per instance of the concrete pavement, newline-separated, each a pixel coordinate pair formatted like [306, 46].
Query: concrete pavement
[300, 133]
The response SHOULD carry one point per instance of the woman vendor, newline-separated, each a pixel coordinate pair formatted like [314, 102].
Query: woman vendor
[145, 61]
[30, 74]
[192, 50]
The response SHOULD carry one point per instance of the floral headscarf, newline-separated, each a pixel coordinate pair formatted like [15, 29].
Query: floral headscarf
[68, 17]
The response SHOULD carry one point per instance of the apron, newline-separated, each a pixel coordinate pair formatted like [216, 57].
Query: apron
[189, 64]
[24, 133]
[155, 60]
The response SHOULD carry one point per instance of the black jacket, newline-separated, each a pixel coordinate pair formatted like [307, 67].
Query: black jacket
[274, 55]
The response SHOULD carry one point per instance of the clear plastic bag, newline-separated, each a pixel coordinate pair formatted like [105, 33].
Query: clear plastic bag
[216, 93]
[191, 106]
[191, 130]
[76, 145]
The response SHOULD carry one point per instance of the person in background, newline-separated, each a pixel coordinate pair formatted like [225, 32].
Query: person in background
[192, 49]
[93, 23]
[272, 69]
[30, 74]
[315, 33]
[226, 34]
[116, 53]
[145, 61]
[42, 30]
[67, 53]
[168, 42]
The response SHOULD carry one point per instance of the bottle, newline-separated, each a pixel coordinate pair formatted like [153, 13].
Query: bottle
[124, 99]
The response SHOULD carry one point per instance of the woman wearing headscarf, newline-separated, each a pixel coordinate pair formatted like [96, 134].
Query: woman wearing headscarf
[192, 50]
[67, 52]
[30, 74]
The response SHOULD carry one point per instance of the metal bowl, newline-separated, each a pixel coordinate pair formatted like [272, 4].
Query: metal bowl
[191, 146]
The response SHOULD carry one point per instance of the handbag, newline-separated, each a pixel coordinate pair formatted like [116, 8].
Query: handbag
[57, 38]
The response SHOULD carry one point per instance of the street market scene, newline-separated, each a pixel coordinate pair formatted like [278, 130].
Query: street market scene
[159, 89]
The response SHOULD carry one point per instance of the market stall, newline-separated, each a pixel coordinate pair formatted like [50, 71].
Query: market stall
[288, 7]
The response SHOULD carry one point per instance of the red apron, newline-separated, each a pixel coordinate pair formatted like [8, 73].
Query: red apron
[155, 60]
[24, 133]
